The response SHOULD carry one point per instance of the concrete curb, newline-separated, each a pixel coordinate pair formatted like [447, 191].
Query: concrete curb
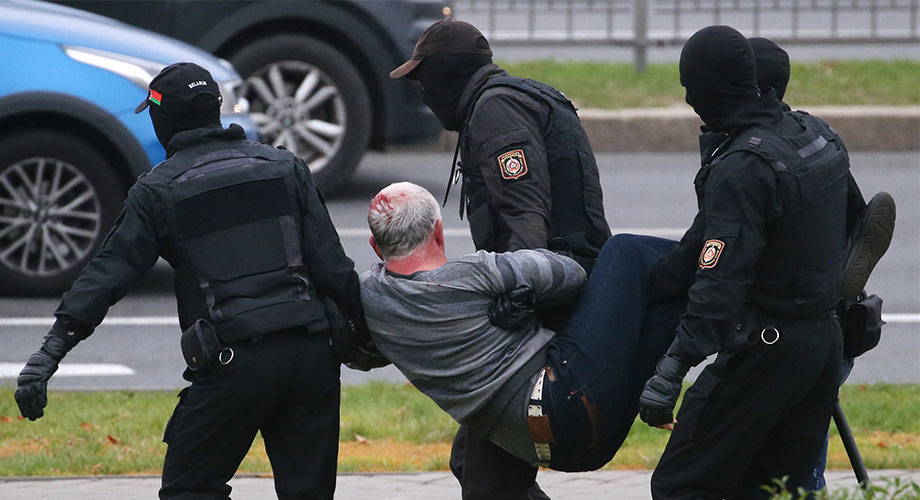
[439, 485]
[863, 128]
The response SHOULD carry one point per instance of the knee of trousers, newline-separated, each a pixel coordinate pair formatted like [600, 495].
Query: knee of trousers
[621, 243]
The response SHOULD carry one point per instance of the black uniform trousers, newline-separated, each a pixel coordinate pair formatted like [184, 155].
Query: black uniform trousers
[759, 412]
[285, 386]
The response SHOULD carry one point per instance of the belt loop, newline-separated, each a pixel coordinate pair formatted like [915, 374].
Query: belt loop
[538, 424]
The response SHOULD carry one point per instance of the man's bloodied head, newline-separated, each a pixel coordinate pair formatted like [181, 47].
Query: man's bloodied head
[402, 217]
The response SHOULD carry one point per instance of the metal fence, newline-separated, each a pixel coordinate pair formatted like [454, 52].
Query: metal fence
[644, 23]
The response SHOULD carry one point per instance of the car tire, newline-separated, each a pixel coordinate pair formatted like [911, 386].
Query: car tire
[58, 198]
[325, 110]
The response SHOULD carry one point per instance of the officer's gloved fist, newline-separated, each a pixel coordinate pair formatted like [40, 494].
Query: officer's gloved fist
[514, 309]
[32, 385]
[656, 404]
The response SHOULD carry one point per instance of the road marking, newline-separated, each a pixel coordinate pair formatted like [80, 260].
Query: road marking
[173, 321]
[457, 232]
[11, 370]
[901, 318]
[113, 321]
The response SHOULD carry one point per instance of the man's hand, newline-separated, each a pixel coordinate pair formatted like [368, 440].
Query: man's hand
[656, 404]
[32, 385]
[513, 309]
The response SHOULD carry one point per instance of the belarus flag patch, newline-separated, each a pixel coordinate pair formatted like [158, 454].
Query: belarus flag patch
[155, 97]
[710, 255]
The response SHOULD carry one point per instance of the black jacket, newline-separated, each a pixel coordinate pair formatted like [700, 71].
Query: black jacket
[516, 198]
[740, 204]
[148, 228]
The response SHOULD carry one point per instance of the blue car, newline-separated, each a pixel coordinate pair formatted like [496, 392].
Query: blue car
[70, 143]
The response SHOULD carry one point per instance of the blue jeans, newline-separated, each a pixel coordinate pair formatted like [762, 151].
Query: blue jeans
[601, 359]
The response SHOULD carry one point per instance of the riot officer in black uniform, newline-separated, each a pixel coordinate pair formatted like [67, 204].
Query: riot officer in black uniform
[768, 245]
[530, 180]
[253, 249]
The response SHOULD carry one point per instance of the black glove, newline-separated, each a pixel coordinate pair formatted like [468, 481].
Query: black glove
[32, 385]
[351, 343]
[367, 357]
[514, 309]
[656, 404]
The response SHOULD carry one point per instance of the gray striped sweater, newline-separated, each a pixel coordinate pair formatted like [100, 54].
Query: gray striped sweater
[434, 326]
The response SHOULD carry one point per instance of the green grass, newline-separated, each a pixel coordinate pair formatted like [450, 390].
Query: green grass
[384, 427]
[820, 83]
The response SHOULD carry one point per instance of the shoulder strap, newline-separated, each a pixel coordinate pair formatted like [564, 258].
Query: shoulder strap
[751, 142]
[533, 88]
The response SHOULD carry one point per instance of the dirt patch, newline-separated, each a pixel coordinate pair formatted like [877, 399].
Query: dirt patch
[20, 447]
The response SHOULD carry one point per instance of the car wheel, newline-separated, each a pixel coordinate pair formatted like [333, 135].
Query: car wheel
[58, 197]
[307, 96]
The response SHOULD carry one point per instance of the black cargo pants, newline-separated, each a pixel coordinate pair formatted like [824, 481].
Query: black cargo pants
[285, 386]
[759, 412]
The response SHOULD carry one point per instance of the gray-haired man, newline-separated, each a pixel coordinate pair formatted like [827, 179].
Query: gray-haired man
[560, 399]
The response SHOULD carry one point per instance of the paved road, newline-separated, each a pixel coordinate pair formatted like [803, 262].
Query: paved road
[623, 485]
[647, 193]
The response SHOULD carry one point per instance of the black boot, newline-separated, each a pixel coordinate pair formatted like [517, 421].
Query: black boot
[868, 243]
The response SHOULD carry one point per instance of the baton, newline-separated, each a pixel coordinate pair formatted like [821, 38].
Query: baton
[846, 435]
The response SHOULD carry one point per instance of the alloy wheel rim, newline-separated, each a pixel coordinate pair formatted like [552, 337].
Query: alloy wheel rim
[297, 106]
[50, 216]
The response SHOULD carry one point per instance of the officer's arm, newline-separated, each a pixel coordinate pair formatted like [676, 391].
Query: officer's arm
[740, 202]
[507, 146]
[673, 275]
[130, 250]
[331, 271]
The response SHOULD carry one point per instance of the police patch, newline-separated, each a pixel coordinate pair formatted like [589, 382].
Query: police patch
[512, 164]
[711, 252]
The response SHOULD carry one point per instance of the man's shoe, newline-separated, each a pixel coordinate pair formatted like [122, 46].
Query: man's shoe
[868, 244]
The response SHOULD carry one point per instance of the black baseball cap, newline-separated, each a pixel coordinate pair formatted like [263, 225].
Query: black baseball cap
[443, 38]
[176, 88]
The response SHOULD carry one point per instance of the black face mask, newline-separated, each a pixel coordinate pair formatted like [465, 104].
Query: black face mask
[166, 125]
[772, 65]
[443, 80]
[717, 68]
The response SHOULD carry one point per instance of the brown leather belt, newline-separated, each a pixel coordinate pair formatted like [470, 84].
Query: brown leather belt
[537, 422]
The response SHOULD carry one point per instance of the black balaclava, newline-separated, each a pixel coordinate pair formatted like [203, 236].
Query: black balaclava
[772, 65]
[443, 80]
[717, 68]
[205, 113]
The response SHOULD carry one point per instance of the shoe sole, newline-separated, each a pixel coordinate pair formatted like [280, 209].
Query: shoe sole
[873, 236]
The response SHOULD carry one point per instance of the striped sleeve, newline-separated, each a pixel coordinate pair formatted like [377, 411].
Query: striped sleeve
[553, 277]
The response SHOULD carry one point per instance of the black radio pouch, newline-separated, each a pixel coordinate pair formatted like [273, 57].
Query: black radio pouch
[862, 326]
[200, 345]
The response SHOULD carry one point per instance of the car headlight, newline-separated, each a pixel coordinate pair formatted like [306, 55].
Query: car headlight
[136, 70]
[140, 71]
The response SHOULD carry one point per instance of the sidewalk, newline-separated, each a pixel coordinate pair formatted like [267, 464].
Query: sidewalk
[406, 486]
[675, 129]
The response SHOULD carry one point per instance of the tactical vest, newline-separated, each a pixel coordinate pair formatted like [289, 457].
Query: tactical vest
[238, 216]
[577, 213]
[800, 271]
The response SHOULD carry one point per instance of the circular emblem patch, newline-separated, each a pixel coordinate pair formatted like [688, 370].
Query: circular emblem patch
[512, 164]
[710, 254]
